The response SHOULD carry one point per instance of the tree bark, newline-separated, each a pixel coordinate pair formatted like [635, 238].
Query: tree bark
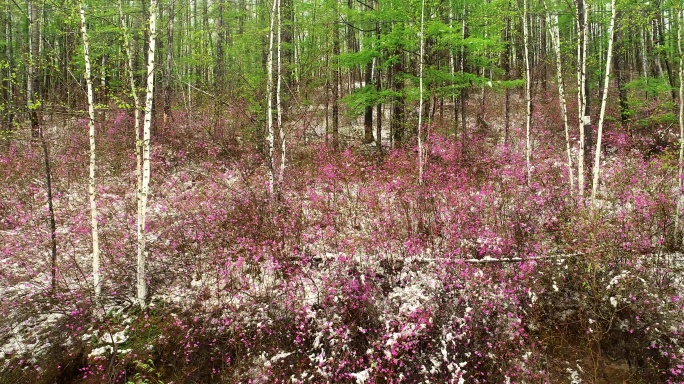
[8, 82]
[609, 59]
[584, 119]
[136, 118]
[507, 68]
[51, 215]
[169, 61]
[31, 70]
[555, 41]
[141, 280]
[270, 135]
[279, 105]
[368, 110]
[92, 193]
[336, 85]
[420, 104]
[663, 53]
[619, 68]
[528, 93]
[680, 171]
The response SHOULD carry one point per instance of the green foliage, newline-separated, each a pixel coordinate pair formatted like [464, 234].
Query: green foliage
[367, 96]
[654, 87]
[355, 59]
[146, 373]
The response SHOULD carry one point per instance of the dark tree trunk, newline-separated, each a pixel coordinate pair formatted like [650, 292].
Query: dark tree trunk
[368, 112]
[506, 64]
[378, 87]
[397, 122]
[169, 60]
[664, 55]
[51, 215]
[287, 48]
[7, 82]
[336, 90]
[619, 60]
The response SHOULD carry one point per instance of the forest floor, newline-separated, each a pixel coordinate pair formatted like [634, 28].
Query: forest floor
[356, 273]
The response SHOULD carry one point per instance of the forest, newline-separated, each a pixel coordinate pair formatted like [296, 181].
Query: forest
[317, 191]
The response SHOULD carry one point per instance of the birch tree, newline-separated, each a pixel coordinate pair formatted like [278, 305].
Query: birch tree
[528, 92]
[552, 21]
[279, 106]
[606, 83]
[92, 194]
[270, 134]
[141, 283]
[583, 120]
[420, 105]
[136, 115]
[680, 172]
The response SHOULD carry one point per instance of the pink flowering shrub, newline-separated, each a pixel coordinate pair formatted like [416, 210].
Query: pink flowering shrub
[355, 273]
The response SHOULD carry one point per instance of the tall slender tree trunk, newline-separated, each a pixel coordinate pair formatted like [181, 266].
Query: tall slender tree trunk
[528, 93]
[644, 58]
[606, 83]
[584, 119]
[8, 82]
[31, 70]
[368, 110]
[463, 96]
[91, 135]
[619, 69]
[680, 172]
[51, 215]
[130, 70]
[420, 104]
[555, 41]
[169, 62]
[663, 52]
[452, 71]
[141, 280]
[220, 41]
[336, 84]
[279, 105]
[287, 47]
[378, 112]
[507, 68]
[270, 133]
[378, 87]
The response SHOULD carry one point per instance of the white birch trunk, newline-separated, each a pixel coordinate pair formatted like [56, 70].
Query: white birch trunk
[606, 83]
[552, 20]
[91, 179]
[528, 93]
[141, 282]
[136, 104]
[269, 94]
[279, 106]
[136, 116]
[420, 104]
[644, 59]
[581, 97]
[681, 119]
